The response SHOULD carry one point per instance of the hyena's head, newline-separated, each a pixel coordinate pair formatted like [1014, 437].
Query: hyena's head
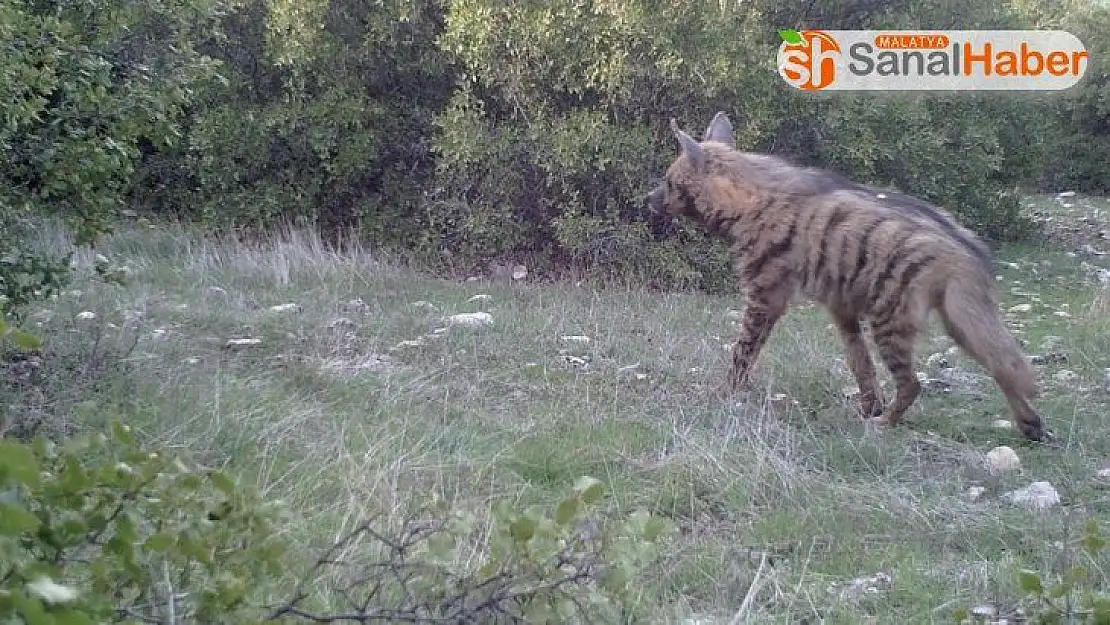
[684, 178]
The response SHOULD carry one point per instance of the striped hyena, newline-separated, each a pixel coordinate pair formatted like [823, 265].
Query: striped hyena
[882, 258]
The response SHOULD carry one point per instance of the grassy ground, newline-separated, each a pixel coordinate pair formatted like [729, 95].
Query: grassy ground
[349, 409]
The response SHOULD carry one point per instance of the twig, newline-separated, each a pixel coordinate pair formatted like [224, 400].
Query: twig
[753, 590]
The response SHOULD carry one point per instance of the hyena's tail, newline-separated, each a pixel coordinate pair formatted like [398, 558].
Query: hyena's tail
[970, 315]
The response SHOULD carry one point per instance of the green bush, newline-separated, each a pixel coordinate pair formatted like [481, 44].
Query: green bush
[98, 529]
[101, 529]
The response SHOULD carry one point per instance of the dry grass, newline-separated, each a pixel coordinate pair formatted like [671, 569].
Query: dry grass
[337, 415]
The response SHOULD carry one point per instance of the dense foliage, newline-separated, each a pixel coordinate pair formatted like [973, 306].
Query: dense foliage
[470, 129]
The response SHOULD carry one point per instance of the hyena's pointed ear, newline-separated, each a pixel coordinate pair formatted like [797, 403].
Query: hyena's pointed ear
[691, 148]
[720, 129]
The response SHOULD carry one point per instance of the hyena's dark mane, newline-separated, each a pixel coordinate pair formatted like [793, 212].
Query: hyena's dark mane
[779, 176]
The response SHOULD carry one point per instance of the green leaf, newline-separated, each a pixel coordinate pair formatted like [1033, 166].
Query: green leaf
[18, 461]
[123, 433]
[1093, 542]
[523, 529]
[791, 36]
[565, 511]
[654, 528]
[159, 542]
[589, 489]
[221, 481]
[14, 520]
[1100, 611]
[1030, 582]
[24, 340]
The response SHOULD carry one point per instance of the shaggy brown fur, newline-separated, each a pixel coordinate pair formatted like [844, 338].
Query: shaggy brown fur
[867, 256]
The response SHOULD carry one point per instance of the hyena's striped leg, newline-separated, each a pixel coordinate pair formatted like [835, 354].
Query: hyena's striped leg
[861, 366]
[764, 309]
[895, 340]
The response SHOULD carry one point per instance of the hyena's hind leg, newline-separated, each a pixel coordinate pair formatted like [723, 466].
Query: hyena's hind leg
[861, 365]
[765, 306]
[894, 337]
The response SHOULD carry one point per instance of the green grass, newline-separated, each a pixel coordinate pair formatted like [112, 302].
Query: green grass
[343, 421]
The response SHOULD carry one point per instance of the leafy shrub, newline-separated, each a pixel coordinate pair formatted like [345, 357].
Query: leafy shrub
[97, 529]
[100, 529]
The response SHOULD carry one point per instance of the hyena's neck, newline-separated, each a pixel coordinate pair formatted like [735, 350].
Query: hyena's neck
[732, 209]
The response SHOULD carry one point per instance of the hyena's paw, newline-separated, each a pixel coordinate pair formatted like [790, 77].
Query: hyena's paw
[869, 408]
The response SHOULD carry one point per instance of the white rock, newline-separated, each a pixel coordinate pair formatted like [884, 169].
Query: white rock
[243, 342]
[1002, 459]
[520, 272]
[984, 611]
[341, 322]
[975, 492]
[1003, 424]
[575, 338]
[285, 308]
[1066, 194]
[86, 315]
[1062, 313]
[423, 304]
[470, 320]
[409, 343]
[1021, 308]
[1065, 376]
[1038, 495]
[479, 297]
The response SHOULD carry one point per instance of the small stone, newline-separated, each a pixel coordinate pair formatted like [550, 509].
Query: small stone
[1021, 308]
[1002, 424]
[86, 315]
[423, 304]
[575, 338]
[470, 320]
[1002, 459]
[734, 315]
[984, 611]
[938, 361]
[409, 343]
[1066, 194]
[216, 290]
[242, 343]
[641, 376]
[1065, 376]
[520, 272]
[975, 492]
[472, 279]
[280, 308]
[1062, 313]
[481, 297]
[1039, 495]
[1103, 473]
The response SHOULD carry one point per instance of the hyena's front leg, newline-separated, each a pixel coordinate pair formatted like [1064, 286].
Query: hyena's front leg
[861, 366]
[765, 307]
